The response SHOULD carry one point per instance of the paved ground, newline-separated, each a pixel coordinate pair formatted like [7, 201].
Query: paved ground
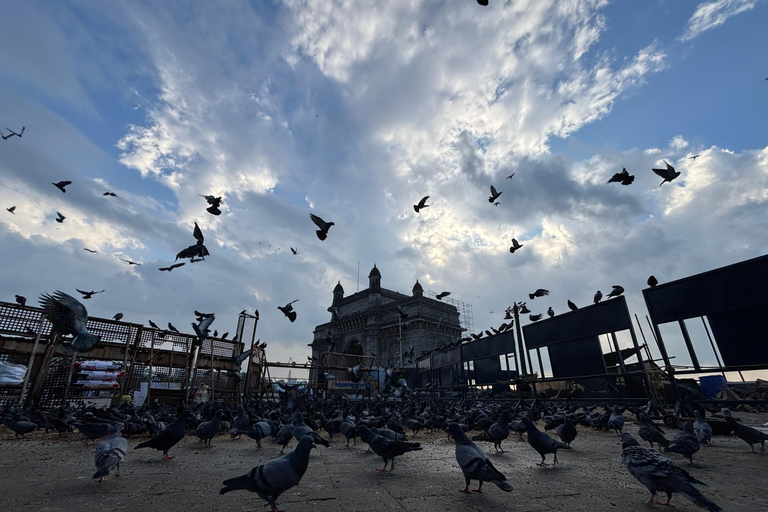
[44, 474]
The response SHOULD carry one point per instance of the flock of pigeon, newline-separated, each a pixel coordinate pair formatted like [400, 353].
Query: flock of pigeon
[382, 425]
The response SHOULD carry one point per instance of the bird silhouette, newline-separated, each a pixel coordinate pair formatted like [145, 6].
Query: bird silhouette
[422, 204]
[88, 295]
[288, 310]
[510, 176]
[622, 177]
[89, 250]
[551, 312]
[484, 3]
[322, 233]
[129, 262]
[109, 194]
[541, 292]
[21, 300]
[60, 218]
[515, 246]
[668, 174]
[19, 135]
[573, 306]
[440, 296]
[215, 203]
[117, 317]
[168, 269]
[494, 195]
[694, 157]
[172, 328]
[198, 249]
[617, 290]
[154, 325]
[652, 281]
[61, 185]
[535, 318]
[12, 209]
[598, 296]
[294, 251]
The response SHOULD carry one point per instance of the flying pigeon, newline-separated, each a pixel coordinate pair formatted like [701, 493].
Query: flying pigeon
[202, 328]
[129, 262]
[12, 209]
[60, 218]
[484, 3]
[494, 195]
[198, 249]
[440, 296]
[598, 296]
[88, 295]
[214, 203]
[322, 233]
[288, 311]
[110, 453]
[622, 177]
[19, 135]
[273, 478]
[61, 185]
[168, 269]
[515, 246]
[422, 204]
[112, 194]
[668, 174]
[541, 292]
[694, 157]
[511, 176]
[658, 473]
[617, 290]
[652, 281]
[69, 316]
[294, 251]
[238, 359]
[474, 463]
[573, 306]
[90, 250]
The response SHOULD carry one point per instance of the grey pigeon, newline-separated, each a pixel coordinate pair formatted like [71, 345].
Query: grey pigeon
[496, 433]
[659, 474]
[685, 443]
[110, 453]
[198, 250]
[117, 317]
[202, 328]
[494, 195]
[567, 431]
[20, 427]
[617, 290]
[652, 281]
[168, 438]
[69, 316]
[284, 436]
[207, 430]
[541, 441]
[616, 421]
[21, 300]
[598, 296]
[572, 306]
[702, 429]
[301, 429]
[749, 435]
[474, 463]
[387, 449]
[275, 477]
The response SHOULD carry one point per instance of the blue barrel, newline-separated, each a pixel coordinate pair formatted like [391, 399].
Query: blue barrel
[712, 385]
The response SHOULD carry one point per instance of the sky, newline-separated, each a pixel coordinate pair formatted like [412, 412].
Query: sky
[355, 110]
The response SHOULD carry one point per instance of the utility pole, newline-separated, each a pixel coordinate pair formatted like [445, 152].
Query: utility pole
[521, 350]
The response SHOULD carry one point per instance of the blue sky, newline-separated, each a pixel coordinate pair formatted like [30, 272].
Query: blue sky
[354, 111]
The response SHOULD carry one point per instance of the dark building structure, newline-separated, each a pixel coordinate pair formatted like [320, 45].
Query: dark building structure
[373, 322]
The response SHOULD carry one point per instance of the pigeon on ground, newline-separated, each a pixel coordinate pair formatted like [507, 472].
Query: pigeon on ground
[541, 292]
[616, 421]
[685, 443]
[567, 431]
[749, 435]
[541, 441]
[214, 203]
[88, 295]
[69, 316]
[208, 429]
[117, 317]
[441, 295]
[301, 429]
[496, 433]
[284, 435]
[21, 300]
[169, 269]
[651, 433]
[386, 448]
[494, 195]
[622, 177]
[515, 246]
[110, 453]
[617, 290]
[61, 185]
[668, 174]
[598, 296]
[168, 438]
[20, 427]
[652, 281]
[702, 429]
[474, 463]
[422, 204]
[288, 311]
[573, 306]
[275, 477]
[659, 474]
[322, 233]
[12, 210]
[198, 249]
[59, 218]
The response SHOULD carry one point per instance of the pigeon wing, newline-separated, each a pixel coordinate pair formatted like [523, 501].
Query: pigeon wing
[318, 221]
[198, 234]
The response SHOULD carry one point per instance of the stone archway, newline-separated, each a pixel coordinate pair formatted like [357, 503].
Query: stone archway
[354, 347]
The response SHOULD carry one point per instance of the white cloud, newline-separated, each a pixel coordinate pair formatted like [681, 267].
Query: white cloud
[712, 14]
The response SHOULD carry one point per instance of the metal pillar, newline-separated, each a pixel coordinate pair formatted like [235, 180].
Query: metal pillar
[520, 350]
[28, 373]
[689, 345]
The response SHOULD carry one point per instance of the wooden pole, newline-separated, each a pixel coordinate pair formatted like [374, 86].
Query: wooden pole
[149, 373]
[31, 359]
[69, 378]
[170, 365]
[136, 348]
[42, 374]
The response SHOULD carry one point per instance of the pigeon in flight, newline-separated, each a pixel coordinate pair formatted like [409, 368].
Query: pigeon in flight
[89, 250]
[440, 296]
[494, 195]
[202, 327]
[88, 295]
[6, 137]
[198, 249]
[622, 177]
[288, 311]
[652, 281]
[60, 185]
[12, 209]
[515, 246]
[598, 296]
[694, 157]
[60, 218]
[69, 316]
[322, 233]
[617, 290]
[668, 174]
[19, 135]
[21, 300]
[294, 251]
[541, 292]
[117, 317]
[129, 262]
[172, 328]
[168, 269]
[422, 204]
[215, 202]
[511, 176]
[112, 194]
[573, 306]
[484, 3]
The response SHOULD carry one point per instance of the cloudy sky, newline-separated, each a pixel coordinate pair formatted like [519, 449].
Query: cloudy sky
[354, 110]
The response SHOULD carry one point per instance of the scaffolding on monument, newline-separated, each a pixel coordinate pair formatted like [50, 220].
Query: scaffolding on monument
[464, 308]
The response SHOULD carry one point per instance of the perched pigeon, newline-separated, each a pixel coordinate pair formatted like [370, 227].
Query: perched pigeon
[659, 474]
[652, 281]
[573, 306]
[515, 246]
[198, 249]
[535, 318]
[422, 204]
[110, 453]
[322, 233]
[154, 325]
[168, 438]
[617, 290]
[61, 185]
[541, 292]
[21, 300]
[668, 174]
[69, 316]
[541, 441]
[474, 463]
[117, 317]
[275, 477]
[550, 312]
[494, 195]
[749, 435]
[172, 328]
[598, 296]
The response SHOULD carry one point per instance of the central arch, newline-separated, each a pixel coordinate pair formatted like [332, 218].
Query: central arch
[354, 347]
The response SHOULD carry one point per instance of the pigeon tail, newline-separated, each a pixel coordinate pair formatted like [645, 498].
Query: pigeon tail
[699, 499]
[504, 486]
[101, 473]
[244, 482]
